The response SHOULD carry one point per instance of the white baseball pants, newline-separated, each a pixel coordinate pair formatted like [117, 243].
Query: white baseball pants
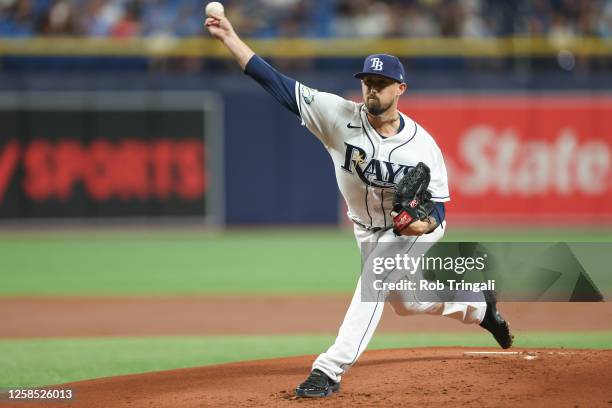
[362, 318]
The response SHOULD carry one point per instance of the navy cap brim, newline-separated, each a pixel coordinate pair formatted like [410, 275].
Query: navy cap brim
[360, 75]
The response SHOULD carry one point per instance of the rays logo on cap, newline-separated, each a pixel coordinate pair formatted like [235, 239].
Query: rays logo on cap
[384, 65]
[377, 64]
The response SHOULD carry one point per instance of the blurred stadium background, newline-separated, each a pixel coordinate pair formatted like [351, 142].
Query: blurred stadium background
[516, 93]
[137, 160]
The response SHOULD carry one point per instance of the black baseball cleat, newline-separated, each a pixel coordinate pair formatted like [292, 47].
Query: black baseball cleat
[499, 328]
[318, 384]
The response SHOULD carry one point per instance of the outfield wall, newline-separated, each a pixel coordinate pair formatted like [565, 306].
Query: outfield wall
[510, 158]
[513, 155]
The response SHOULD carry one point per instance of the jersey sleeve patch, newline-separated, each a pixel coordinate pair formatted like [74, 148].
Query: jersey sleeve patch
[308, 94]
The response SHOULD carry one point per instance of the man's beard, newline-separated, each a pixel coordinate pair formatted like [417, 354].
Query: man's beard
[375, 108]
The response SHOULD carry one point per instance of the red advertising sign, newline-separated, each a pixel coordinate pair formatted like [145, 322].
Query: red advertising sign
[131, 169]
[94, 155]
[532, 158]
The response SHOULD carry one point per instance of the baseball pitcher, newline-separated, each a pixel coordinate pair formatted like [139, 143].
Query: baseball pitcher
[392, 176]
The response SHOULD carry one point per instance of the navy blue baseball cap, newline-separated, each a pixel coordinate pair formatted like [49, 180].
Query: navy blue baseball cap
[384, 65]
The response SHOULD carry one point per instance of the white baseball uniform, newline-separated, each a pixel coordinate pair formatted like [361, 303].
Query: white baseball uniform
[367, 167]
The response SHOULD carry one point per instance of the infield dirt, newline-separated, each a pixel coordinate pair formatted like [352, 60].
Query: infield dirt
[401, 377]
[36, 317]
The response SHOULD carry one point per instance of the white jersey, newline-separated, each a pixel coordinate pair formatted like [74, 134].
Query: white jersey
[368, 165]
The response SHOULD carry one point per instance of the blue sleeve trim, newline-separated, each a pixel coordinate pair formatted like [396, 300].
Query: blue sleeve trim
[439, 212]
[281, 87]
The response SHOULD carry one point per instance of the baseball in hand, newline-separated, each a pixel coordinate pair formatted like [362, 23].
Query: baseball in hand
[214, 7]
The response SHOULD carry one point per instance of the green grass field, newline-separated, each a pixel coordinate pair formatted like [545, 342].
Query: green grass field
[28, 363]
[291, 261]
[254, 262]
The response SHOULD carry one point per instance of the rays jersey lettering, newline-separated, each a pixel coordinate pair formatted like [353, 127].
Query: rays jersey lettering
[374, 173]
[367, 165]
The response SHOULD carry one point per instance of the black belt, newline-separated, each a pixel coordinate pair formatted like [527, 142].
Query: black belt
[373, 229]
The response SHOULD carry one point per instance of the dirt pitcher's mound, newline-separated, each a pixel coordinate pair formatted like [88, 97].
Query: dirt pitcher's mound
[403, 377]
